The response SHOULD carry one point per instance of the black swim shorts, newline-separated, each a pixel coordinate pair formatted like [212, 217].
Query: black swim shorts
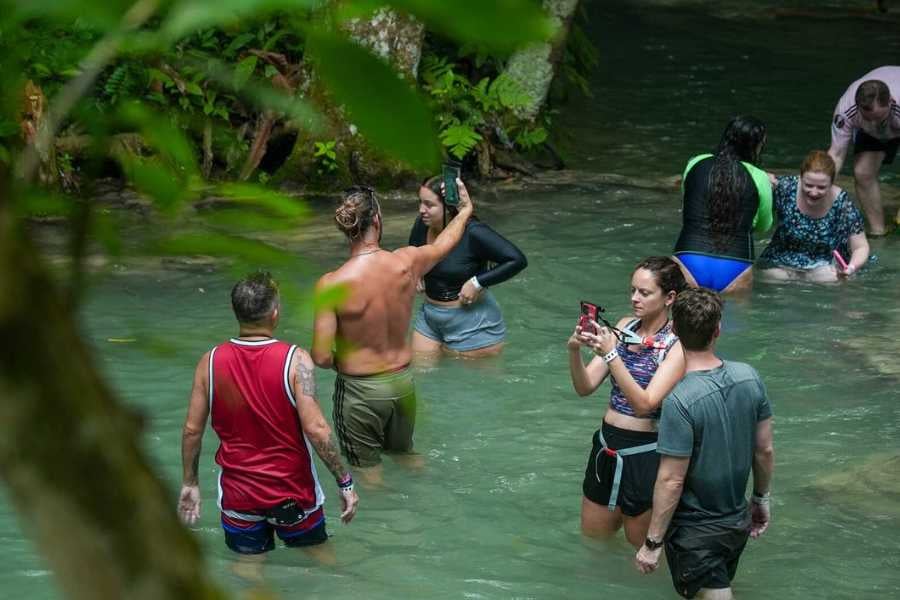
[863, 142]
[704, 556]
[638, 471]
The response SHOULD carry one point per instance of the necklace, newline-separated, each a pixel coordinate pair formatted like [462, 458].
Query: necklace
[366, 252]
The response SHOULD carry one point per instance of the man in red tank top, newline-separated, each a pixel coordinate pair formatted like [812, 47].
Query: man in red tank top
[260, 393]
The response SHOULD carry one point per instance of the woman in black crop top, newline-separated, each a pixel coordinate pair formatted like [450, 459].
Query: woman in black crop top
[460, 315]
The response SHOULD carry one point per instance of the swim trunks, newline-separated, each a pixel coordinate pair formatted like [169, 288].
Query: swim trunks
[704, 556]
[463, 328]
[253, 534]
[863, 142]
[635, 493]
[374, 413]
[713, 272]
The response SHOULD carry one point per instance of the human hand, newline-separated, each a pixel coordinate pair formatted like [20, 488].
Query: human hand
[349, 503]
[772, 179]
[189, 504]
[647, 560]
[469, 293]
[760, 516]
[843, 273]
[605, 340]
[465, 201]
[420, 285]
[577, 339]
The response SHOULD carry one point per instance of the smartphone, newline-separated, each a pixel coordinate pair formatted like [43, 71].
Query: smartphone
[450, 173]
[840, 260]
[588, 317]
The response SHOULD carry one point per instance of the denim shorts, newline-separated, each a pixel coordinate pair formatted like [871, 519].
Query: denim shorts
[463, 328]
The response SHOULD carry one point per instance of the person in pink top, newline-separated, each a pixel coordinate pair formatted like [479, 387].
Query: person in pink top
[261, 396]
[868, 114]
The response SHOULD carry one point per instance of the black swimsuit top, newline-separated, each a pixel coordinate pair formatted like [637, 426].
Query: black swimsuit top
[479, 246]
[695, 230]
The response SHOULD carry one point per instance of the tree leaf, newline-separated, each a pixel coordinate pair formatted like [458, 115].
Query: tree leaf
[188, 16]
[244, 71]
[248, 252]
[498, 25]
[384, 107]
[276, 203]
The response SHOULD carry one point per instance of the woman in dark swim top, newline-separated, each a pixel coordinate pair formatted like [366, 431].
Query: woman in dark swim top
[460, 315]
[726, 197]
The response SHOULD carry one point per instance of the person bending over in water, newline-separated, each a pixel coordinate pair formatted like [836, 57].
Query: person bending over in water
[725, 197]
[460, 315]
[363, 334]
[815, 219]
[621, 469]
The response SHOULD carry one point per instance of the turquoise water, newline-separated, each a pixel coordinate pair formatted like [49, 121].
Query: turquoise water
[494, 514]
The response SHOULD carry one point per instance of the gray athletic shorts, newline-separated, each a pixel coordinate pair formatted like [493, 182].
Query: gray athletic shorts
[463, 328]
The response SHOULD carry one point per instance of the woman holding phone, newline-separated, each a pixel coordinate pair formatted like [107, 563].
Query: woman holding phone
[818, 227]
[645, 360]
[460, 315]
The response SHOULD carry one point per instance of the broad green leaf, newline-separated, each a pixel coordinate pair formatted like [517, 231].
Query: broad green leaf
[244, 70]
[157, 181]
[188, 16]
[274, 202]
[238, 43]
[106, 231]
[245, 220]
[499, 25]
[161, 135]
[331, 297]
[386, 109]
[35, 202]
[247, 251]
[103, 15]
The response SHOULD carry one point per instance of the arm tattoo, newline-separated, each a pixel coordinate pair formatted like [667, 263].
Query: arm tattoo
[328, 452]
[306, 379]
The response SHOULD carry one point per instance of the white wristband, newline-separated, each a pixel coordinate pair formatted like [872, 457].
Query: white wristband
[763, 500]
[611, 356]
[474, 281]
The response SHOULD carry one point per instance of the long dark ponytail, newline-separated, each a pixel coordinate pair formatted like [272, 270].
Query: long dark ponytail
[741, 141]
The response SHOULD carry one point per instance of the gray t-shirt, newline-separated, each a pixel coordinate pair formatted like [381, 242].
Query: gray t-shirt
[711, 417]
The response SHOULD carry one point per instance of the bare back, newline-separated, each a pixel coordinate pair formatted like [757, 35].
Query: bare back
[373, 321]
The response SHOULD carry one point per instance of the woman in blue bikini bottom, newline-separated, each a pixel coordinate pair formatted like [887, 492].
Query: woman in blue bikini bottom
[719, 273]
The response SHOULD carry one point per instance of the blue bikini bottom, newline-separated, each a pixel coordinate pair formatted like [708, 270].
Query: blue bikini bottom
[713, 272]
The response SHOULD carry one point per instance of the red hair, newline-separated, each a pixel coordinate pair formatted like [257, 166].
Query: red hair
[818, 161]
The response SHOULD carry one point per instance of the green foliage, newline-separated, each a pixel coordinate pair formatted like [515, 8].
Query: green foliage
[326, 157]
[467, 113]
[375, 105]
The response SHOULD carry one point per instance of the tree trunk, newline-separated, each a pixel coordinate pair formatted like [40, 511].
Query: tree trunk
[394, 37]
[534, 66]
[71, 455]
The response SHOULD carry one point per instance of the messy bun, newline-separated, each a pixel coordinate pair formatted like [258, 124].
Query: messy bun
[357, 212]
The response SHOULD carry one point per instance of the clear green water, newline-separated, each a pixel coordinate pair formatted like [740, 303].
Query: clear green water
[495, 512]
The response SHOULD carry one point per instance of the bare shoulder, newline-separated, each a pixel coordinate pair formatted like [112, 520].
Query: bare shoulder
[624, 321]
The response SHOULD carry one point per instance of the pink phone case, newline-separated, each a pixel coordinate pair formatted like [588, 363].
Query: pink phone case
[840, 259]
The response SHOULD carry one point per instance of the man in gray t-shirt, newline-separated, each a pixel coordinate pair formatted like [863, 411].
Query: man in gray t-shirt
[716, 427]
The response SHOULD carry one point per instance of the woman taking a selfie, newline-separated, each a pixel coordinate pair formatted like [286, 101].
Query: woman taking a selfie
[460, 315]
[645, 365]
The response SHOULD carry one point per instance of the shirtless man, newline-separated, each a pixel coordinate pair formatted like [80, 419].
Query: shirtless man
[361, 330]
[868, 114]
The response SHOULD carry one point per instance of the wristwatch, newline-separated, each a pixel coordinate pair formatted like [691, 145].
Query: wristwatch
[652, 545]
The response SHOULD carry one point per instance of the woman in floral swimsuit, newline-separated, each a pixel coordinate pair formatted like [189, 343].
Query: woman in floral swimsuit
[815, 218]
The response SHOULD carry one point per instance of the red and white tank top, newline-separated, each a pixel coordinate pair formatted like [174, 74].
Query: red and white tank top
[264, 455]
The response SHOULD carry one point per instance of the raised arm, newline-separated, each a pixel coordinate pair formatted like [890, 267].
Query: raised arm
[423, 258]
[643, 401]
[318, 432]
[191, 443]
[325, 323]
[585, 378]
